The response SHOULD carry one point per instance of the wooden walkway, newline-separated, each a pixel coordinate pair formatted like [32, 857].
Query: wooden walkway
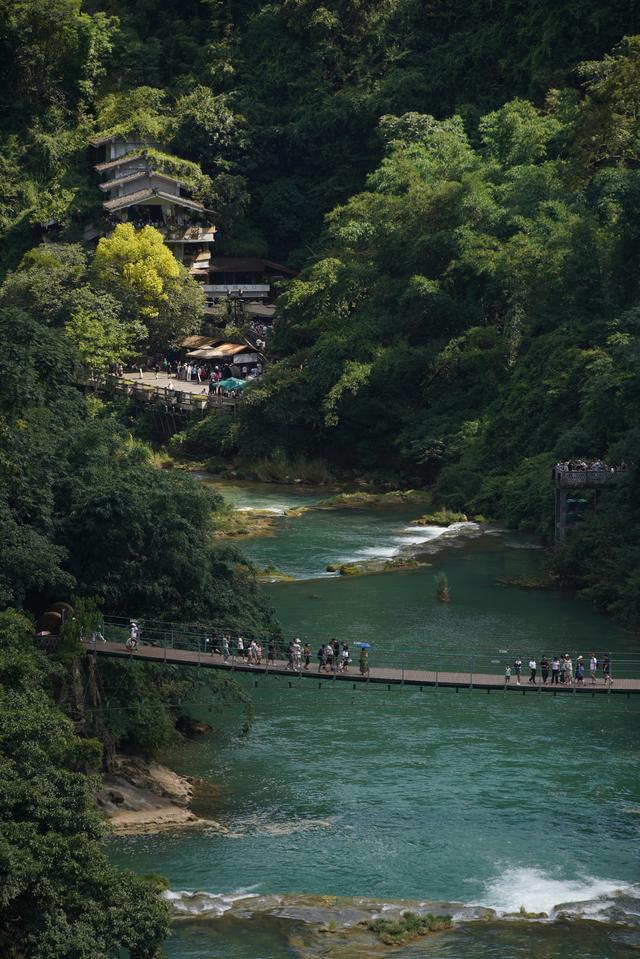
[376, 675]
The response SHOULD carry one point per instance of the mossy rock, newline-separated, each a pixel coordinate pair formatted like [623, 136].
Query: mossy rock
[397, 932]
[349, 569]
[442, 517]
[332, 568]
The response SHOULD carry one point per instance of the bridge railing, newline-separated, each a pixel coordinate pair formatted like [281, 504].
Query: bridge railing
[176, 398]
[393, 653]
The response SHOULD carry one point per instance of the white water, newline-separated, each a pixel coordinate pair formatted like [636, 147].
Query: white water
[185, 903]
[539, 891]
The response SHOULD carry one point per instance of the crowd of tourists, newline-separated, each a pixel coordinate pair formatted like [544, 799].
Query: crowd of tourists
[331, 656]
[591, 466]
[560, 672]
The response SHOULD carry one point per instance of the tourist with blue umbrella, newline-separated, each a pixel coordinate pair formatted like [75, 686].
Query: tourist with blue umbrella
[364, 658]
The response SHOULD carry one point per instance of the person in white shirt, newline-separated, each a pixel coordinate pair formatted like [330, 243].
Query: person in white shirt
[533, 666]
[593, 666]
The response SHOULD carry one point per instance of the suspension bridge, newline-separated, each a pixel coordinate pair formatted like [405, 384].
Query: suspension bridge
[195, 645]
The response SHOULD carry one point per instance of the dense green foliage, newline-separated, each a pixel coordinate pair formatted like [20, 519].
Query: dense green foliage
[276, 103]
[468, 310]
[460, 182]
[476, 318]
[81, 504]
[59, 895]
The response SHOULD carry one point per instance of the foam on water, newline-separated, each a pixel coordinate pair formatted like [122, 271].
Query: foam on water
[273, 510]
[538, 891]
[186, 903]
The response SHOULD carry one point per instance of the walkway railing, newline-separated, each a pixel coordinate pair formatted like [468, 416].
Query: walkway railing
[173, 398]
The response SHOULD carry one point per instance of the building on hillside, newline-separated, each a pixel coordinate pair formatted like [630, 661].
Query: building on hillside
[137, 191]
[248, 278]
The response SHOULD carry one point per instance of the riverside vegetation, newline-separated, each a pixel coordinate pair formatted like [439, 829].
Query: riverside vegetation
[460, 189]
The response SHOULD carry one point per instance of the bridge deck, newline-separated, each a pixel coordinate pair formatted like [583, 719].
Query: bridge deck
[378, 675]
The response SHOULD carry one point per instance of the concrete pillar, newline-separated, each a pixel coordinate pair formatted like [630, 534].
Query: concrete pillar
[560, 516]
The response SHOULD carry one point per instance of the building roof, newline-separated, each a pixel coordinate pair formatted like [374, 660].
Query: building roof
[100, 141]
[132, 199]
[196, 342]
[220, 351]
[248, 264]
[264, 310]
[119, 161]
[131, 177]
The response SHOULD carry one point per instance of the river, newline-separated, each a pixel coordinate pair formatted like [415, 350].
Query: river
[452, 798]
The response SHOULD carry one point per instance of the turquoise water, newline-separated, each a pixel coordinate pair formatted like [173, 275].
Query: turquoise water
[472, 798]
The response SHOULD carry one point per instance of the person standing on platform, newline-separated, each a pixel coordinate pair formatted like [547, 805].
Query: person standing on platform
[307, 655]
[606, 669]
[555, 669]
[533, 666]
[507, 675]
[271, 654]
[593, 668]
[563, 669]
[240, 647]
[544, 669]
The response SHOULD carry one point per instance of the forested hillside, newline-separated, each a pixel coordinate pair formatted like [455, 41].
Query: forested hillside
[459, 184]
[457, 181]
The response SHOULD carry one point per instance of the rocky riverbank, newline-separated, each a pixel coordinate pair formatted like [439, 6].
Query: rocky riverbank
[145, 797]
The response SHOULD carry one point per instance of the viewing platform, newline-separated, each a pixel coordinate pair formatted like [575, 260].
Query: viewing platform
[568, 479]
[584, 479]
[180, 397]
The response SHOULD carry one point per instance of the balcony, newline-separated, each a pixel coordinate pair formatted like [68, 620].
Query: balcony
[585, 479]
[242, 289]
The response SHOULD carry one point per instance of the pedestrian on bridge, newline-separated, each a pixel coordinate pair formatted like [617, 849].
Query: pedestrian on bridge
[307, 655]
[533, 666]
[555, 670]
[226, 652]
[271, 654]
[297, 653]
[593, 668]
[240, 647]
[568, 669]
[563, 668]
[322, 658]
[328, 656]
[132, 642]
[344, 665]
[544, 668]
[364, 661]
[517, 668]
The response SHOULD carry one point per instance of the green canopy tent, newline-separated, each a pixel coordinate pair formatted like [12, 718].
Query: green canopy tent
[232, 384]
